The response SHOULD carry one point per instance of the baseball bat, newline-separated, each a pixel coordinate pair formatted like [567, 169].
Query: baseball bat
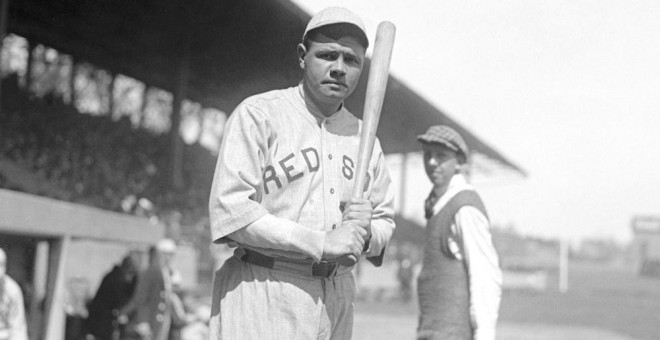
[376, 86]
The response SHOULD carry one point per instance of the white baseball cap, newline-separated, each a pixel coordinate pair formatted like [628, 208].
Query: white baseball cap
[337, 15]
[166, 245]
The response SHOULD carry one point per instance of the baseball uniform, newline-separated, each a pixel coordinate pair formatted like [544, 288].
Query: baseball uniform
[282, 176]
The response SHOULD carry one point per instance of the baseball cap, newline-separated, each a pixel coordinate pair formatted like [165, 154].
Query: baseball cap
[337, 15]
[442, 134]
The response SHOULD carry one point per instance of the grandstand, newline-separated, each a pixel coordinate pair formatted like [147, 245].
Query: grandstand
[116, 118]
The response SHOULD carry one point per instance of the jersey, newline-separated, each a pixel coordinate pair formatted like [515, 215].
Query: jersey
[279, 158]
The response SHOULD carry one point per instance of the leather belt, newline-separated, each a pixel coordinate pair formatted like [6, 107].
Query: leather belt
[323, 269]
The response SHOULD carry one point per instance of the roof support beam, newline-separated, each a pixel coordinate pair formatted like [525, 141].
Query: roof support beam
[4, 8]
[179, 94]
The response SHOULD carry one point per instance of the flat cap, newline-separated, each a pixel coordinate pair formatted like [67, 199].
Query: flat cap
[442, 134]
[337, 15]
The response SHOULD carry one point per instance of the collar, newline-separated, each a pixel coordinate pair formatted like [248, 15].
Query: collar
[457, 183]
[318, 116]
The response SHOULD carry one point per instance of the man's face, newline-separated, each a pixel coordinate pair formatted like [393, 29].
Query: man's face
[166, 258]
[440, 163]
[331, 67]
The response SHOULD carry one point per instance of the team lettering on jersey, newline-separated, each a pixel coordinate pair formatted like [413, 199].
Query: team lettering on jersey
[285, 169]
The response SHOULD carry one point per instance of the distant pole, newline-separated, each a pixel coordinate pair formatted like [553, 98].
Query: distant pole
[563, 265]
[180, 91]
[111, 95]
[4, 8]
[403, 188]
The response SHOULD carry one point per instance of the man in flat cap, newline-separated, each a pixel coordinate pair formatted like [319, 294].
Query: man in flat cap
[282, 194]
[459, 286]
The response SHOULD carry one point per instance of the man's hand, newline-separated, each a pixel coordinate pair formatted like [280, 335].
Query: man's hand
[144, 330]
[122, 319]
[345, 240]
[359, 211]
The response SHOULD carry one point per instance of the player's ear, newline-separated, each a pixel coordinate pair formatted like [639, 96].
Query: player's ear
[302, 51]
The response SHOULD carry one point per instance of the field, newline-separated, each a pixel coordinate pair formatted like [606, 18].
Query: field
[603, 302]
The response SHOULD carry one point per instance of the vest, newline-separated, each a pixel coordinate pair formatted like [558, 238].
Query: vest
[443, 284]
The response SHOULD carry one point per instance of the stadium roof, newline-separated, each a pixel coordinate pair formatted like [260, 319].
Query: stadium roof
[223, 50]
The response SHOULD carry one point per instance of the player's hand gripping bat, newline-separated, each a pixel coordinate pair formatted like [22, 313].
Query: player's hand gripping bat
[376, 86]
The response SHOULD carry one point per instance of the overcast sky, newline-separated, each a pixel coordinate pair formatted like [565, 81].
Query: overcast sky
[567, 89]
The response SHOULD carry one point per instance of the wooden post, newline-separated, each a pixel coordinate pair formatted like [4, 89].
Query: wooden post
[40, 282]
[28, 66]
[4, 8]
[55, 316]
[143, 106]
[72, 82]
[563, 265]
[180, 90]
[111, 94]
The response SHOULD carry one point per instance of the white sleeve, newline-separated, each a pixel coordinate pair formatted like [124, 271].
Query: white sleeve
[271, 232]
[235, 192]
[483, 270]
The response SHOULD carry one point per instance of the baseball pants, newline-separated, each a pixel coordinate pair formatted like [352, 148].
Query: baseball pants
[254, 302]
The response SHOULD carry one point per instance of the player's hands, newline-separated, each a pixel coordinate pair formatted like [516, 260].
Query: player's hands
[348, 239]
[359, 211]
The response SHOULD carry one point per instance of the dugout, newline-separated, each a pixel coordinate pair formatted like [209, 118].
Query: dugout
[45, 239]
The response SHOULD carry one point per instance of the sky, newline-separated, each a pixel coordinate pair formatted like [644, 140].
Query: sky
[569, 90]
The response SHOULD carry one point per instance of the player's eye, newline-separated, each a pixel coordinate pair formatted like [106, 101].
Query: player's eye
[351, 59]
[328, 56]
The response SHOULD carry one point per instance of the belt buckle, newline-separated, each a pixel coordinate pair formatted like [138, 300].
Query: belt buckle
[324, 269]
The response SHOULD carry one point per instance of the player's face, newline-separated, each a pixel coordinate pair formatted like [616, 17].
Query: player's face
[332, 68]
[440, 164]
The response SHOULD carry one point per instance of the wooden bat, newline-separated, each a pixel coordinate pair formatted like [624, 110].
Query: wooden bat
[376, 86]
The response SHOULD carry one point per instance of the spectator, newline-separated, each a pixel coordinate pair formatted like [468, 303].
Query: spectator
[12, 310]
[115, 291]
[151, 301]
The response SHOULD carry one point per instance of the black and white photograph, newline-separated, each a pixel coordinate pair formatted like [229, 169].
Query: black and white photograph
[329, 170]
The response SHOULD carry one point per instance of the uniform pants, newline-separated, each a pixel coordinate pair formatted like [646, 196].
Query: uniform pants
[254, 302]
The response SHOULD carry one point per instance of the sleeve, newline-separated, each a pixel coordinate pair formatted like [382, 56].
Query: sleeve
[236, 192]
[17, 323]
[234, 207]
[483, 270]
[382, 198]
[270, 232]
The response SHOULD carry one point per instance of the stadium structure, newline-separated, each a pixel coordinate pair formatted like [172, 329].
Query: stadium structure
[110, 116]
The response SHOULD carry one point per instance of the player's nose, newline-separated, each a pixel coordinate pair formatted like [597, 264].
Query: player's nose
[338, 67]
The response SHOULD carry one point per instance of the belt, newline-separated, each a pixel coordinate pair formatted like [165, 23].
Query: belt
[323, 269]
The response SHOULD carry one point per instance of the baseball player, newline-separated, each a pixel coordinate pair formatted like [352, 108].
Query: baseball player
[282, 194]
[459, 286]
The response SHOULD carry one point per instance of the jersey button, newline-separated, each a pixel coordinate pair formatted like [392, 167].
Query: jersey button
[334, 226]
[329, 156]
[332, 191]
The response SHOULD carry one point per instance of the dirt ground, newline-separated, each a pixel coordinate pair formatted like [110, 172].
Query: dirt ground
[603, 302]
